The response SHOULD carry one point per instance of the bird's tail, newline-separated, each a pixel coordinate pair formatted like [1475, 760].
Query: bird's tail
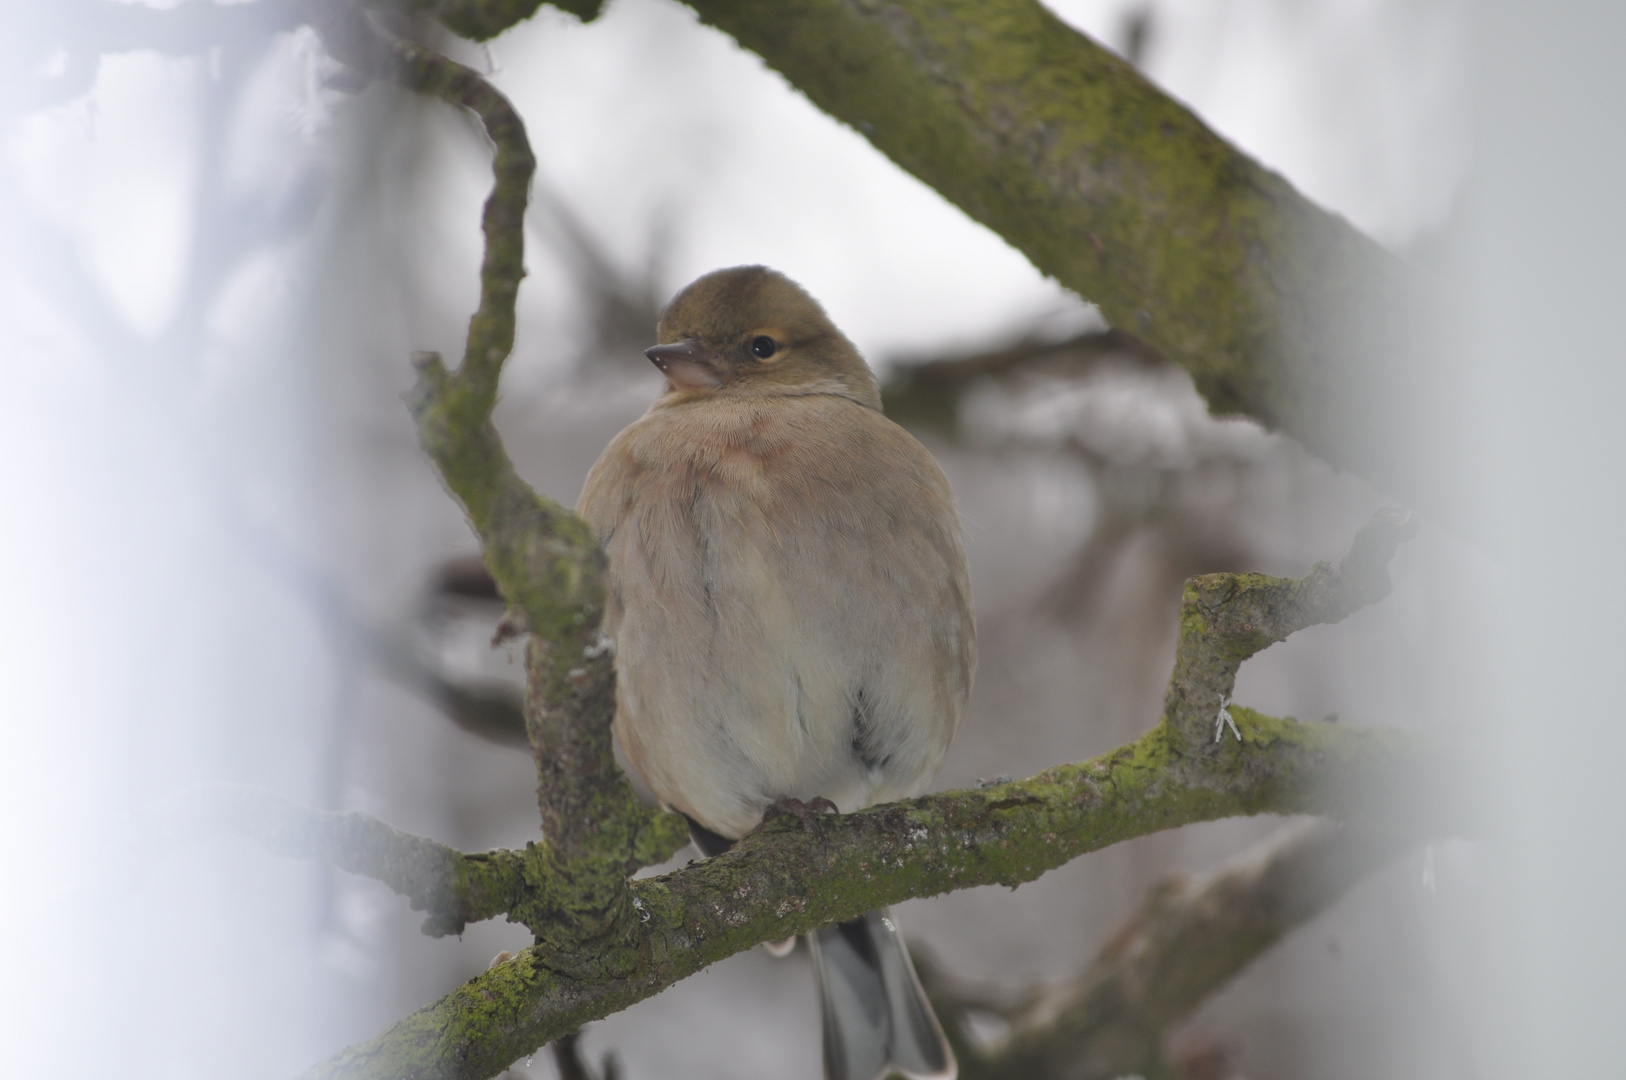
[876, 1018]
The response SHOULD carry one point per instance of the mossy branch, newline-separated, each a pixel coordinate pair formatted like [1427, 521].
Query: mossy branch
[1279, 309]
[451, 887]
[1186, 941]
[545, 561]
[1226, 618]
[790, 877]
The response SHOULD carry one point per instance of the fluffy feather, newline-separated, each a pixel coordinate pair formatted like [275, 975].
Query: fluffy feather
[791, 610]
[788, 593]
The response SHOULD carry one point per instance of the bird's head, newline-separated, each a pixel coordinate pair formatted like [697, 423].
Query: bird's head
[753, 330]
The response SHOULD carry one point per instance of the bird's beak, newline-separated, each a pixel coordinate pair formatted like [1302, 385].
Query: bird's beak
[687, 363]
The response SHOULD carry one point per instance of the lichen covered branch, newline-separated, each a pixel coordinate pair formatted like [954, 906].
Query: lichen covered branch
[1186, 941]
[543, 558]
[545, 561]
[1279, 309]
[450, 887]
[789, 878]
[1226, 618]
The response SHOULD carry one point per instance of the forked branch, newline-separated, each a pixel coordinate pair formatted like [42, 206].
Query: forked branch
[1186, 941]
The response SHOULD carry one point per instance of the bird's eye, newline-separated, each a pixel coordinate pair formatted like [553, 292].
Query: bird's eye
[762, 347]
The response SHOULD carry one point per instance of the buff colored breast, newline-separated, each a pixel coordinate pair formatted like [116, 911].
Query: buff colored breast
[789, 600]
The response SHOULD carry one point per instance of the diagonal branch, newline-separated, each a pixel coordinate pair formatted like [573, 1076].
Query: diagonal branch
[453, 888]
[1279, 309]
[787, 878]
[1226, 618]
[1184, 943]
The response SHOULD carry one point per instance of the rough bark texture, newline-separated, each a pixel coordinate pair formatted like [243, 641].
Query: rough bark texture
[1279, 309]
[1186, 941]
[1226, 618]
[454, 889]
[789, 878]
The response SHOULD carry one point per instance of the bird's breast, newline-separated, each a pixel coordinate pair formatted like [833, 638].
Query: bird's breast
[789, 602]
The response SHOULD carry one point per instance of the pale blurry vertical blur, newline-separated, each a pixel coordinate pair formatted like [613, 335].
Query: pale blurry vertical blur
[1541, 385]
[153, 634]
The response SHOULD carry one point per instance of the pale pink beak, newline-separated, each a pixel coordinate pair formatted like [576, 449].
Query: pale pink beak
[688, 364]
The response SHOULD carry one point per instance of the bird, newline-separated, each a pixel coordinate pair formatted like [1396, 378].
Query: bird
[788, 595]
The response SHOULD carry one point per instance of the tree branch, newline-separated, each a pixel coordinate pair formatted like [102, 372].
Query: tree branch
[789, 877]
[452, 888]
[544, 559]
[927, 395]
[1226, 618]
[786, 878]
[1279, 309]
[1181, 945]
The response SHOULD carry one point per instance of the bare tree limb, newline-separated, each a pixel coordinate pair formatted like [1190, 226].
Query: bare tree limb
[453, 888]
[1184, 942]
[786, 878]
[1279, 309]
[927, 395]
[789, 877]
[1226, 618]
[544, 559]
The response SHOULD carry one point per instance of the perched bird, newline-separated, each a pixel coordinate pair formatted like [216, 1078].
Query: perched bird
[792, 616]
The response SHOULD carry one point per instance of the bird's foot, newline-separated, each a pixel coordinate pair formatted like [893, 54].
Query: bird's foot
[801, 811]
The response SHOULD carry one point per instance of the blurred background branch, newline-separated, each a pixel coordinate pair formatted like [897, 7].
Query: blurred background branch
[1186, 941]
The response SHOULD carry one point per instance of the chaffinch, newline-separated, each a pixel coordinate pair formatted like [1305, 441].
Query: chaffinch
[791, 610]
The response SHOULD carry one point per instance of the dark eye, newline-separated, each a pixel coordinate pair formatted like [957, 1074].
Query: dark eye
[762, 347]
